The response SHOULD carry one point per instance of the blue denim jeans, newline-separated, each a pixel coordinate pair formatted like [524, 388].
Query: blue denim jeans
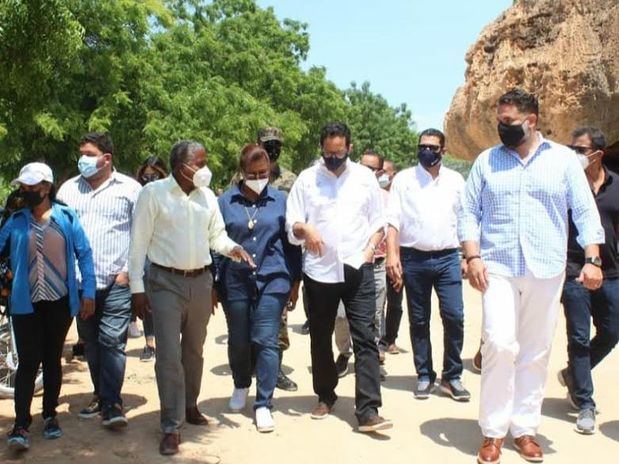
[105, 339]
[253, 327]
[422, 272]
[580, 306]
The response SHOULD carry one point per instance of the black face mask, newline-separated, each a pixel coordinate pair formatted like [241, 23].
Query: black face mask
[428, 157]
[333, 163]
[32, 198]
[512, 136]
[273, 148]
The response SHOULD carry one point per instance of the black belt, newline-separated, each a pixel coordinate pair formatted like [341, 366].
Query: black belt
[427, 254]
[183, 272]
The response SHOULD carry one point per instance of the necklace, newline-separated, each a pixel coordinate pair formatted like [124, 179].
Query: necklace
[251, 218]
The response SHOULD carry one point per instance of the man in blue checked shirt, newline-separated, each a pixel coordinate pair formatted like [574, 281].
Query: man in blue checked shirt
[513, 226]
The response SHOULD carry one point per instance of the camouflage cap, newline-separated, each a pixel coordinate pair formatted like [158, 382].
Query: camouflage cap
[270, 133]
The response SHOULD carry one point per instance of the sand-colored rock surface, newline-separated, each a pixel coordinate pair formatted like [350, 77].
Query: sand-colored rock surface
[565, 51]
[436, 430]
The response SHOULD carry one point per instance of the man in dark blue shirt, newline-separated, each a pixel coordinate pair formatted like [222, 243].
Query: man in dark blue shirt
[580, 304]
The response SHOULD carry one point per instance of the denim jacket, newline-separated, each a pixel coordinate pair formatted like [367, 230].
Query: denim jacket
[15, 233]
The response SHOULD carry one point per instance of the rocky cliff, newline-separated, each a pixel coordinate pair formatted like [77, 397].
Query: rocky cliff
[565, 51]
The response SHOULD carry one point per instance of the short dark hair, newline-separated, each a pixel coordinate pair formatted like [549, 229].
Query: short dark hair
[381, 158]
[181, 151]
[596, 135]
[101, 140]
[434, 133]
[335, 129]
[250, 153]
[525, 102]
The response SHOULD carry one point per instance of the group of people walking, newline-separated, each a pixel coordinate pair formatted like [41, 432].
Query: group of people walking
[167, 249]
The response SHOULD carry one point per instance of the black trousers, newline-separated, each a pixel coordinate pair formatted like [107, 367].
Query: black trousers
[40, 337]
[394, 314]
[358, 295]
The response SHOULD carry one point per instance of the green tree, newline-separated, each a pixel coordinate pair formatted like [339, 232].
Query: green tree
[152, 72]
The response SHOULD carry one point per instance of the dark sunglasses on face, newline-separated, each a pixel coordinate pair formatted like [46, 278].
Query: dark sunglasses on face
[580, 150]
[425, 146]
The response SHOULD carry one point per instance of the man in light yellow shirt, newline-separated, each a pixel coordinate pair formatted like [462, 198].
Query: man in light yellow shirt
[176, 224]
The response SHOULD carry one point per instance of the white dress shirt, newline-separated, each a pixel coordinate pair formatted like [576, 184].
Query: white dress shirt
[424, 210]
[346, 211]
[175, 229]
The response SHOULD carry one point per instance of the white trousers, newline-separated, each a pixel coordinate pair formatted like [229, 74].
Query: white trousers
[519, 320]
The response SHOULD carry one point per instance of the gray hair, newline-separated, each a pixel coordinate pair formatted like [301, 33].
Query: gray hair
[182, 151]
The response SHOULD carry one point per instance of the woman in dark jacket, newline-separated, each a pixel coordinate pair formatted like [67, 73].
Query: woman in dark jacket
[44, 240]
[253, 299]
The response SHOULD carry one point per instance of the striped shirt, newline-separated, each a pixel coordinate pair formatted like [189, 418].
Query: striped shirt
[518, 209]
[106, 215]
[47, 262]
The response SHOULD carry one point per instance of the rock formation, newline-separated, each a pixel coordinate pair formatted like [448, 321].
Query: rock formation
[564, 51]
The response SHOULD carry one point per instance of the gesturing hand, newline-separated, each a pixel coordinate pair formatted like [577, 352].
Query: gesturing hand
[239, 254]
[313, 240]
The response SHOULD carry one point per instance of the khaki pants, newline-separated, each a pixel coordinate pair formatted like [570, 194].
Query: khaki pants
[181, 308]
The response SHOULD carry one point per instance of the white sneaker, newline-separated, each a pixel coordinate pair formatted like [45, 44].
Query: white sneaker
[264, 420]
[238, 399]
[134, 330]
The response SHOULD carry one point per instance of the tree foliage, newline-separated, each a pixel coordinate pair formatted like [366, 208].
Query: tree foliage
[153, 71]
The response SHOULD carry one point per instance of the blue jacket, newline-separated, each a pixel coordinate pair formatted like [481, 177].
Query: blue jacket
[15, 232]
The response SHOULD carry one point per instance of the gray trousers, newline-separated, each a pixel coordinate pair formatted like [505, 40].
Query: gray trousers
[342, 330]
[181, 309]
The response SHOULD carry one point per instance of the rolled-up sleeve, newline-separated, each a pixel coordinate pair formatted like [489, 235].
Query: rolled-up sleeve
[141, 234]
[584, 210]
[470, 211]
[295, 211]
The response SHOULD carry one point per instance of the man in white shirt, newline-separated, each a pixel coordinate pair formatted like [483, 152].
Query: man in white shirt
[335, 210]
[104, 200]
[422, 251]
[176, 224]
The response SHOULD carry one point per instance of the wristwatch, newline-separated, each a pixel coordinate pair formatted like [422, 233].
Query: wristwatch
[595, 260]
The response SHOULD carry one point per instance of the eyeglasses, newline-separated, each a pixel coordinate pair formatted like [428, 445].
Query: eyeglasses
[425, 146]
[580, 150]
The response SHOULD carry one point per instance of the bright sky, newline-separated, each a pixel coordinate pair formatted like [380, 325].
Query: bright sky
[411, 51]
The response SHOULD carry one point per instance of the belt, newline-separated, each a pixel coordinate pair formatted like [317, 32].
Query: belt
[183, 272]
[427, 254]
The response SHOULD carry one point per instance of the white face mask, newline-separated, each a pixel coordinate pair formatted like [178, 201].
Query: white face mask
[384, 180]
[585, 160]
[201, 178]
[257, 185]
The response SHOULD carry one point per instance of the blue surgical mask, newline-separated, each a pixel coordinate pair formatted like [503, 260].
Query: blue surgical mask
[87, 166]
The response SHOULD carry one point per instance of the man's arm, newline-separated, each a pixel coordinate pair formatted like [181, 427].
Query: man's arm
[142, 228]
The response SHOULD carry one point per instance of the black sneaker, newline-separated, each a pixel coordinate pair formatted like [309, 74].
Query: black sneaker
[114, 418]
[455, 389]
[18, 439]
[285, 383]
[51, 429]
[92, 410]
[423, 389]
[148, 354]
[305, 328]
[341, 365]
[77, 350]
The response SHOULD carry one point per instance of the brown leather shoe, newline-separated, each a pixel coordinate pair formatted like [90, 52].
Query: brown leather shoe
[169, 443]
[490, 451]
[193, 416]
[477, 360]
[321, 411]
[529, 449]
[375, 423]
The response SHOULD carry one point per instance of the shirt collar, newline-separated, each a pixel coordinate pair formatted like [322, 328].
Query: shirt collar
[543, 145]
[425, 175]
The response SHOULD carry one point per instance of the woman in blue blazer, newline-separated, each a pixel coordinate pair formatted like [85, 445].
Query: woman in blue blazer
[44, 239]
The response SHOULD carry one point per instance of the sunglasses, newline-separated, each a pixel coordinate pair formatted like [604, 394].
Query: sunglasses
[580, 150]
[425, 146]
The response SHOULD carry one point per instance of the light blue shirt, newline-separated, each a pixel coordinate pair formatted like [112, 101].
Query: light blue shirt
[517, 209]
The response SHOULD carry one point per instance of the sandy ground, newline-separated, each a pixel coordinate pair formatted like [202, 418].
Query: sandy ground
[435, 430]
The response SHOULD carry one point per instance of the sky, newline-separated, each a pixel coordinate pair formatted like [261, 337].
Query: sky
[411, 51]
